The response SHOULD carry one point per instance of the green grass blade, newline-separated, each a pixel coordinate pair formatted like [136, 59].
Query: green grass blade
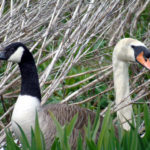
[33, 141]
[104, 128]
[147, 121]
[23, 139]
[58, 126]
[96, 123]
[39, 135]
[79, 143]
[91, 145]
[56, 145]
[11, 145]
[71, 125]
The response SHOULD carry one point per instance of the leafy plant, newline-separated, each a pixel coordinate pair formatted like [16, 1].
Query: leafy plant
[126, 140]
[64, 132]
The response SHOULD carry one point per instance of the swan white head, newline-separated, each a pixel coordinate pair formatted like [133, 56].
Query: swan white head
[15, 52]
[129, 49]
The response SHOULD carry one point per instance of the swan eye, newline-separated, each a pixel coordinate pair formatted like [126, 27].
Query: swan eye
[133, 46]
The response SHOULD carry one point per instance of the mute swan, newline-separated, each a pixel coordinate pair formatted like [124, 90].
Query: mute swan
[127, 50]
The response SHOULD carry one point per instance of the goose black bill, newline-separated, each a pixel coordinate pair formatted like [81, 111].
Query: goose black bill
[3, 55]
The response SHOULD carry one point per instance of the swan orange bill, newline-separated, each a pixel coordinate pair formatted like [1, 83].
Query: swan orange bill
[140, 58]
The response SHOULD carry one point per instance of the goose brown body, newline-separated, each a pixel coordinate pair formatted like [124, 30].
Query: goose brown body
[64, 113]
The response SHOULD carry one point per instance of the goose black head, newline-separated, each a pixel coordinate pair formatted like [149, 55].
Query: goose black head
[15, 52]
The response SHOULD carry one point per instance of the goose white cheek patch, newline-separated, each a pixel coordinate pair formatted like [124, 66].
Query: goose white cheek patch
[17, 55]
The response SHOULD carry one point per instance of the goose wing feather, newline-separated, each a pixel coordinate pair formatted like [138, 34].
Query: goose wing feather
[64, 113]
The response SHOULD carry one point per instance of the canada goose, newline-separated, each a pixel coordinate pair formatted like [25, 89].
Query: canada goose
[28, 101]
[127, 50]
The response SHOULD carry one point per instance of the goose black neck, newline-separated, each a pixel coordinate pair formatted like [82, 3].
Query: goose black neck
[30, 82]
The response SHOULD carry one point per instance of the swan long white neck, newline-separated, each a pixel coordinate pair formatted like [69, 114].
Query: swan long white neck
[121, 81]
[123, 53]
[121, 85]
